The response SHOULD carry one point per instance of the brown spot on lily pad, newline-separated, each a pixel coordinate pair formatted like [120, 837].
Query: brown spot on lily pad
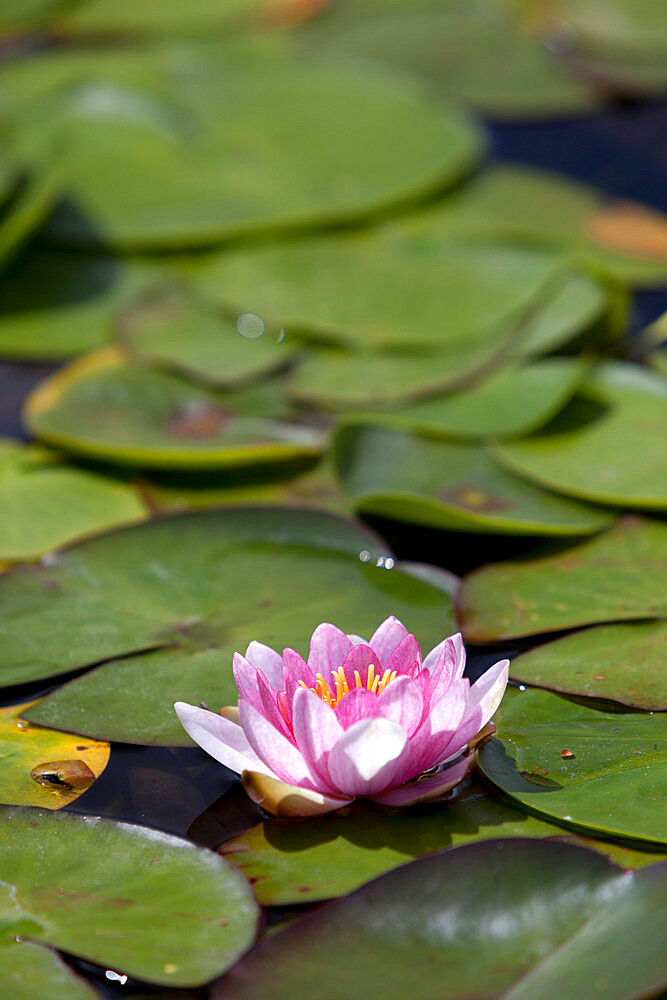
[567, 754]
[197, 420]
[473, 499]
[67, 775]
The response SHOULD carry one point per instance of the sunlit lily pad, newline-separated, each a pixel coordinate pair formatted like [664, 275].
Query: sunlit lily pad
[104, 407]
[625, 240]
[404, 286]
[616, 577]
[55, 305]
[195, 588]
[319, 858]
[511, 919]
[46, 504]
[124, 897]
[264, 142]
[180, 332]
[110, 16]
[481, 52]
[609, 447]
[593, 770]
[449, 484]
[622, 663]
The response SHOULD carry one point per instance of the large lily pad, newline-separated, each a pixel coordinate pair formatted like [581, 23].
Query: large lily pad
[104, 407]
[623, 663]
[330, 856]
[29, 208]
[263, 142]
[625, 240]
[404, 286]
[182, 333]
[448, 484]
[480, 52]
[124, 897]
[41, 767]
[592, 770]
[195, 588]
[102, 16]
[47, 504]
[55, 305]
[511, 919]
[31, 970]
[616, 577]
[609, 448]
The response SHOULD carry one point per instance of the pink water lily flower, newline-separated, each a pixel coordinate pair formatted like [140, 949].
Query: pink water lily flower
[356, 719]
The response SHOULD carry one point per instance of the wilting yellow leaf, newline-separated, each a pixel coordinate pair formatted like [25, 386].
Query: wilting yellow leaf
[623, 225]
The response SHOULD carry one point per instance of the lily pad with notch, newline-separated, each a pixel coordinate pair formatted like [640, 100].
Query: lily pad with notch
[106, 408]
[451, 484]
[329, 856]
[121, 896]
[618, 576]
[505, 919]
[587, 769]
[597, 449]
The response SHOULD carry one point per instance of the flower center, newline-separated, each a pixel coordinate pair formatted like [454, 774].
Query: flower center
[375, 683]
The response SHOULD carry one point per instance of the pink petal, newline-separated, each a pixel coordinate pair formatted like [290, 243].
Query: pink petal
[448, 668]
[328, 648]
[401, 701]
[430, 743]
[222, 739]
[359, 704]
[386, 638]
[277, 752]
[269, 706]
[316, 730]
[268, 661]
[426, 788]
[404, 655]
[295, 669]
[485, 697]
[367, 756]
[455, 644]
[245, 677]
[360, 658]
[356, 640]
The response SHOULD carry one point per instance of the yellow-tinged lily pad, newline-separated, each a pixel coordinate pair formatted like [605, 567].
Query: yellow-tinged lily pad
[104, 407]
[44, 767]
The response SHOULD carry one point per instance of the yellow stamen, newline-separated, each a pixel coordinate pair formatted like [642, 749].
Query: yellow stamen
[357, 679]
[375, 683]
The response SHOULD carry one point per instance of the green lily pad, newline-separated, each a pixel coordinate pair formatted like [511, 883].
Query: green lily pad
[598, 448]
[29, 207]
[196, 588]
[623, 663]
[30, 970]
[102, 16]
[592, 770]
[624, 26]
[179, 332]
[55, 305]
[616, 577]
[263, 142]
[47, 504]
[333, 855]
[18, 15]
[448, 484]
[124, 897]
[404, 286]
[510, 919]
[481, 53]
[624, 240]
[105, 408]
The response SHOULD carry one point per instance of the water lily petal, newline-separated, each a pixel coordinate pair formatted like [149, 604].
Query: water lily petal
[328, 648]
[485, 697]
[366, 757]
[268, 661]
[269, 706]
[287, 801]
[402, 701]
[449, 655]
[282, 758]
[245, 678]
[222, 739]
[359, 704]
[425, 789]
[295, 669]
[360, 658]
[356, 640]
[316, 730]
[405, 655]
[429, 745]
[386, 638]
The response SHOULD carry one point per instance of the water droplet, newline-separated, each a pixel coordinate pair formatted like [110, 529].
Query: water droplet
[116, 977]
[379, 561]
[389, 563]
[364, 556]
[567, 817]
[250, 325]
[170, 968]
[281, 336]
[21, 725]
